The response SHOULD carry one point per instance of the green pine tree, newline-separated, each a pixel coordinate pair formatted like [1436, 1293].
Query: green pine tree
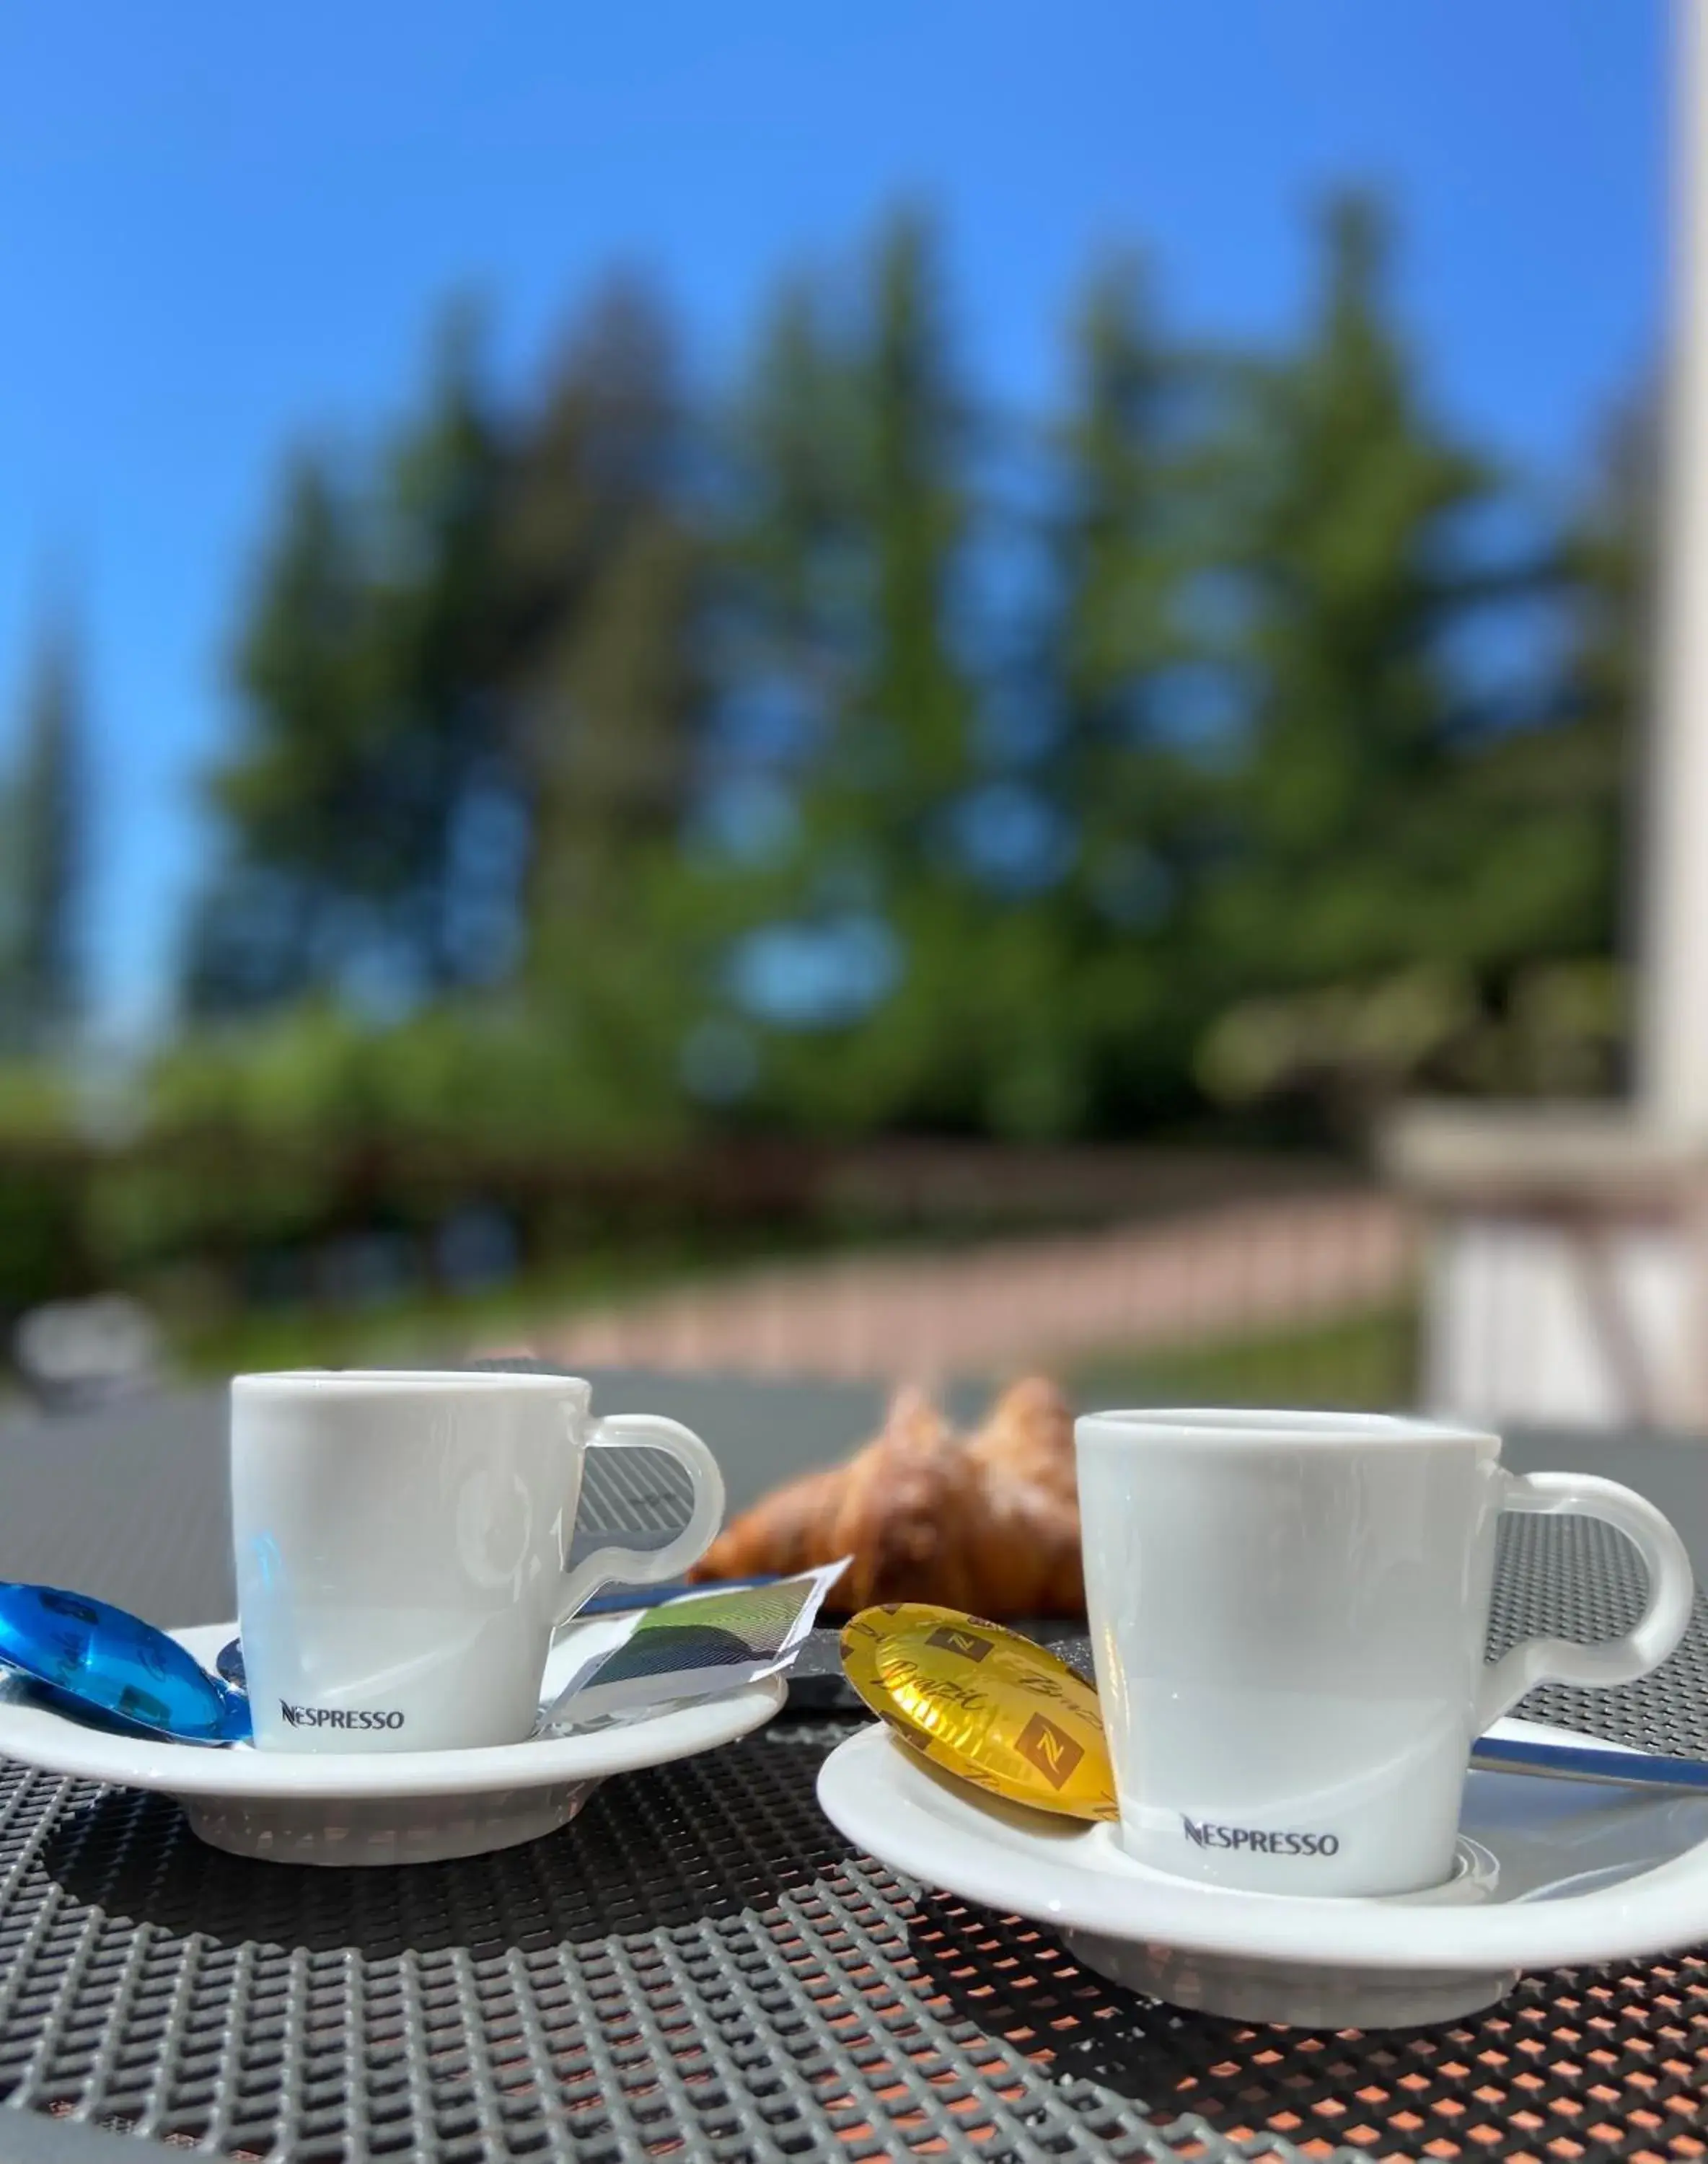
[272, 920]
[1354, 583]
[1136, 780]
[599, 562]
[1405, 843]
[603, 566]
[439, 765]
[798, 447]
[858, 492]
[42, 983]
[909, 726]
[1560, 814]
[1609, 566]
[1358, 871]
[376, 733]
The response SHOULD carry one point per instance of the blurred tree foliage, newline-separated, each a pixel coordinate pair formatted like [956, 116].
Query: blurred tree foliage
[621, 765]
[44, 849]
[44, 853]
[849, 758]
[1417, 834]
[862, 714]
[358, 804]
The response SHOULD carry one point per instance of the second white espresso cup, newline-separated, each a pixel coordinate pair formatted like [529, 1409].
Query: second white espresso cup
[1288, 1613]
[402, 1541]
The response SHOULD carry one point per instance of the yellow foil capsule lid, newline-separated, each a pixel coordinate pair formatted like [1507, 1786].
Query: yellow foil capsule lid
[984, 1704]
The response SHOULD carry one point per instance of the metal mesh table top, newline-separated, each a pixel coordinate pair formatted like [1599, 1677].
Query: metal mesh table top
[700, 1967]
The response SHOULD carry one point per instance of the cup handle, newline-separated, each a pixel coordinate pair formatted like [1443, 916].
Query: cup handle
[1645, 1645]
[650, 1566]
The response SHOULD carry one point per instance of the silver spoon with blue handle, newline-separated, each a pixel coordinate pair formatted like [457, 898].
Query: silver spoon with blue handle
[1584, 1760]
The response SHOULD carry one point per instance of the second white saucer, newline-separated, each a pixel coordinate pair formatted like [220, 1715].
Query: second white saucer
[382, 1807]
[1562, 1873]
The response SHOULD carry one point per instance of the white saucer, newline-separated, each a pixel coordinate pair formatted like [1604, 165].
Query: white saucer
[382, 1807]
[1553, 1873]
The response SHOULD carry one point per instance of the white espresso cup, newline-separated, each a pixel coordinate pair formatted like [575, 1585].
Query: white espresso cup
[402, 1542]
[1288, 1614]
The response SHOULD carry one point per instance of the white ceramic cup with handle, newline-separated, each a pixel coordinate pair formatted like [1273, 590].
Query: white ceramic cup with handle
[402, 1541]
[1288, 1613]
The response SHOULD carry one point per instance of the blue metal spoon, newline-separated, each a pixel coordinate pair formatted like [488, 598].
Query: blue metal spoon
[88, 1659]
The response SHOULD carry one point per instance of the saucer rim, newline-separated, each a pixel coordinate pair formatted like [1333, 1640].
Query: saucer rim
[873, 1792]
[35, 1736]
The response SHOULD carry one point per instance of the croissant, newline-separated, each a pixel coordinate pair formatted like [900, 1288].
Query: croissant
[989, 1524]
[1029, 1435]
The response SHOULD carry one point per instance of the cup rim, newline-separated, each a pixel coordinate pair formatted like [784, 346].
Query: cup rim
[473, 1380]
[1233, 1424]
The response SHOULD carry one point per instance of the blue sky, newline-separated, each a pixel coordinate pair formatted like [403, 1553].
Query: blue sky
[222, 228]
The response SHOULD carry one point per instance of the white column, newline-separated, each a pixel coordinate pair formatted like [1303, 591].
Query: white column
[1673, 1021]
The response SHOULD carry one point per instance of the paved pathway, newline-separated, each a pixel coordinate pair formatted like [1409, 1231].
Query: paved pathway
[1219, 1274]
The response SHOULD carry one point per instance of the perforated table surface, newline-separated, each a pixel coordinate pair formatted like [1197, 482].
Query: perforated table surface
[699, 1967]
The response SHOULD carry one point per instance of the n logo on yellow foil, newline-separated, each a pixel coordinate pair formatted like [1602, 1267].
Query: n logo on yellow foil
[1054, 1753]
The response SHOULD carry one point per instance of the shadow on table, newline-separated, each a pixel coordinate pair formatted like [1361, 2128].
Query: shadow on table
[1022, 1987]
[1017, 1982]
[706, 1838]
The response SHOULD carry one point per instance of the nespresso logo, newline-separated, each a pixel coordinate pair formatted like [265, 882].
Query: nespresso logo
[968, 1644]
[1253, 1838]
[334, 1716]
[1054, 1753]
